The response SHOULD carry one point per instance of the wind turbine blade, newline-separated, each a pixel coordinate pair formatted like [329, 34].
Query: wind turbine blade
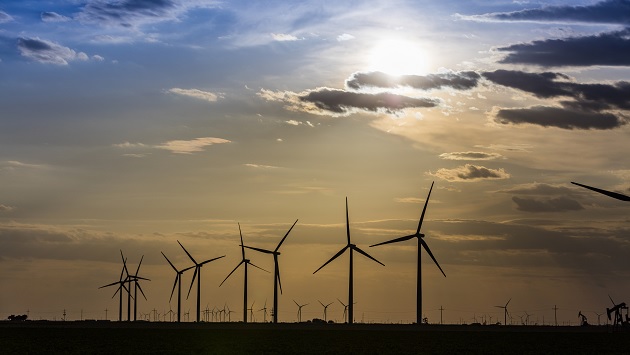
[343, 304]
[252, 264]
[611, 300]
[174, 285]
[259, 249]
[320, 302]
[186, 269]
[401, 239]
[173, 266]
[124, 263]
[616, 195]
[279, 282]
[241, 233]
[285, 236]
[296, 303]
[366, 254]
[117, 290]
[192, 282]
[140, 263]
[334, 257]
[426, 247]
[213, 259]
[425, 208]
[239, 264]
[140, 278]
[347, 222]
[187, 253]
[111, 284]
[508, 302]
[142, 292]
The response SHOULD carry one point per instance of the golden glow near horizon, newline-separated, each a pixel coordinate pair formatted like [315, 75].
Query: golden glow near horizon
[396, 56]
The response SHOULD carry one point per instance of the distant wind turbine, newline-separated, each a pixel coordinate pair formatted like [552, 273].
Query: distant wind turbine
[276, 271]
[421, 244]
[121, 286]
[505, 313]
[352, 248]
[325, 308]
[136, 287]
[299, 313]
[197, 274]
[246, 262]
[616, 195]
[178, 284]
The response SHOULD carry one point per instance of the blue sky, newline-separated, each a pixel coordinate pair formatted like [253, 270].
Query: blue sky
[133, 124]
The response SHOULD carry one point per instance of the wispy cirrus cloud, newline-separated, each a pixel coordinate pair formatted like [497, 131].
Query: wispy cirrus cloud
[284, 37]
[260, 166]
[470, 156]
[5, 208]
[195, 93]
[4, 17]
[470, 172]
[48, 52]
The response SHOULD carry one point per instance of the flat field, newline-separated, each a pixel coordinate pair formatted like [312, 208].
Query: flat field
[39, 337]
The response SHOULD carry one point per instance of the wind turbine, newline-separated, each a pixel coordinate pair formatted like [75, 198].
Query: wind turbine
[616, 195]
[421, 244]
[137, 286]
[246, 262]
[264, 310]
[345, 311]
[352, 248]
[197, 273]
[299, 313]
[121, 285]
[505, 313]
[178, 283]
[276, 271]
[325, 308]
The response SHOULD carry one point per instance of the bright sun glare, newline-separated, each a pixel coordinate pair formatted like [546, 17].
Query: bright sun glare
[398, 57]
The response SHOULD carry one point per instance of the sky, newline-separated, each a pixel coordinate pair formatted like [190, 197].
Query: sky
[133, 124]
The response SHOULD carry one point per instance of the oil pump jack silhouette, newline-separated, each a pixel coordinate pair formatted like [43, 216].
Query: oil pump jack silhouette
[618, 309]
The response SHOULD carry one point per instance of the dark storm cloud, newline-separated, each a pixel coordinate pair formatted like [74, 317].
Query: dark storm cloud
[53, 17]
[459, 81]
[612, 49]
[540, 189]
[559, 117]
[606, 12]
[339, 101]
[127, 13]
[560, 204]
[542, 85]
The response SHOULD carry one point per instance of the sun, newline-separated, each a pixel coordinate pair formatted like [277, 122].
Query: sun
[398, 57]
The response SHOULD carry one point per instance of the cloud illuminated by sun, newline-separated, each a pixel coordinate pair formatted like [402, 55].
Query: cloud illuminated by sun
[398, 57]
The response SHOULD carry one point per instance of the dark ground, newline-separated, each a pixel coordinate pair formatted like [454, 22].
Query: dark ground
[42, 337]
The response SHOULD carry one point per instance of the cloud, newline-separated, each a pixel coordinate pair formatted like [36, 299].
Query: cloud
[345, 37]
[48, 52]
[134, 13]
[129, 145]
[559, 204]
[604, 12]
[470, 172]
[5, 208]
[283, 37]
[4, 17]
[195, 93]
[559, 117]
[259, 166]
[53, 17]
[191, 146]
[334, 102]
[470, 156]
[602, 49]
[585, 106]
[459, 81]
[409, 200]
[539, 189]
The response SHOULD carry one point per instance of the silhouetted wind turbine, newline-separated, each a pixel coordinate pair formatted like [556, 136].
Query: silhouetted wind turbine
[178, 283]
[137, 286]
[345, 311]
[424, 245]
[246, 262]
[197, 274]
[325, 308]
[616, 195]
[121, 285]
[352, 248]
[505, 313]
[299, 313]
[276, 271]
